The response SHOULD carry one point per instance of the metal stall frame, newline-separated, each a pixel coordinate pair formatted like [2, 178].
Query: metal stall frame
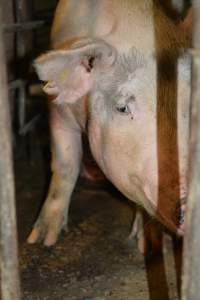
[20, 84]
[10, 280]
[10, 289]
[10, 285]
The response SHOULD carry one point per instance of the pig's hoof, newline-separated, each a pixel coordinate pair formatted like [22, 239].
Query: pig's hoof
[49, 239]
[48, 233]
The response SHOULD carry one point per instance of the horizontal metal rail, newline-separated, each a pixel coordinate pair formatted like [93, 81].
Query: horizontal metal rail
[22, 26]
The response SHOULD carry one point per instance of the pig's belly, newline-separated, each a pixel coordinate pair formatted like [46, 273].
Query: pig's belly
[117, 167]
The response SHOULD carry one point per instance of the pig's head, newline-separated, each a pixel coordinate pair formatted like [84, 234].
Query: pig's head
[138, 122]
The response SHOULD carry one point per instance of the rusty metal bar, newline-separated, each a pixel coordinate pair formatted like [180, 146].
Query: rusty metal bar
[8, 233]
[191, 275]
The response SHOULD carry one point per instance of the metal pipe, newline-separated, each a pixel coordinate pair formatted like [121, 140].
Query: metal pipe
[191, 268]
[8, 233]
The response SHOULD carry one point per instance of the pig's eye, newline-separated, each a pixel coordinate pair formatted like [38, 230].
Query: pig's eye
[126, 107]
[123, 109]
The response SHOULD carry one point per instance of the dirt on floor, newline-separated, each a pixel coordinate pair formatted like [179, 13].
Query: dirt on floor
[93, 261]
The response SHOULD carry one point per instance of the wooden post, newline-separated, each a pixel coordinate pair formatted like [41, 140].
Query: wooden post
[191, 270]
[8, 232]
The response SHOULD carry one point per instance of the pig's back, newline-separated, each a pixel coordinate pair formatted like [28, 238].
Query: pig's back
[123, 23]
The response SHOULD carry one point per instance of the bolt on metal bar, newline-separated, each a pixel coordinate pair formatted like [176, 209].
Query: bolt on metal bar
[8, 233]
[191, 268]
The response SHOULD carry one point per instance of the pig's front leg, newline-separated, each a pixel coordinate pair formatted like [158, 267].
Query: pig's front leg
[66, 158]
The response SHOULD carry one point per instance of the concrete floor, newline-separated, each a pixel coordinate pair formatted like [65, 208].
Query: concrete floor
[93, 261]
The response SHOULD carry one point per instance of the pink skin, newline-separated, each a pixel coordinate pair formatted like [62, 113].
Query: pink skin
[141, 185]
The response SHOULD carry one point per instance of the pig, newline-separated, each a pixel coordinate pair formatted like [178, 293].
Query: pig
[118, 71]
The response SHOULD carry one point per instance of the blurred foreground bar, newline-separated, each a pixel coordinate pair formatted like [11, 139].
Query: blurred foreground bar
[8, 233]
[191, 272]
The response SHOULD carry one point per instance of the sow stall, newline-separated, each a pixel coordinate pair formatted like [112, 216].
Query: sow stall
[22, 27]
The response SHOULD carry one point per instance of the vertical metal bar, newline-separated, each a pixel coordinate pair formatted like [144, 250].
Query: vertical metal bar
[21, 48]
[8, 232]
[191, 275]
[22, 105]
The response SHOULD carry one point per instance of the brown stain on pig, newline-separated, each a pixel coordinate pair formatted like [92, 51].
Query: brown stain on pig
[55, 194]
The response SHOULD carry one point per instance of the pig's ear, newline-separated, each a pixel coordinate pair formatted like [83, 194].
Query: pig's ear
[69, 74]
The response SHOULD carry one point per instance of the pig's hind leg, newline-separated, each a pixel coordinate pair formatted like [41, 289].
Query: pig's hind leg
[147, 232]
[66, 159]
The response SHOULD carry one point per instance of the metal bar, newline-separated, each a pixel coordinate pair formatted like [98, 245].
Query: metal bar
[191, 275]
[22, 105]
[20, 84]
[21, 15]
[23, 26]
[8, 233]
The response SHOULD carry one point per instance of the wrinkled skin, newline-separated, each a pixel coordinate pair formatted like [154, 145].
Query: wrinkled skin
[117, 74]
